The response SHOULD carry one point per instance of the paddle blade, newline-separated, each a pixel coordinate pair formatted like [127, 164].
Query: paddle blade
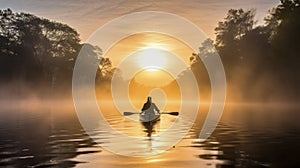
[174, 113]
[129, 113]
[171, 113]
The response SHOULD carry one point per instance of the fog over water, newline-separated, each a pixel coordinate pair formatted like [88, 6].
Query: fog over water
[48, 133]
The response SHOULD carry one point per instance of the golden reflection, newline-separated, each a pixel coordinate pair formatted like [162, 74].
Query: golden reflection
[155, 160]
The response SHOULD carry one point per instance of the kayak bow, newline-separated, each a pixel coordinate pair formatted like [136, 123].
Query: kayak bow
[149, 117]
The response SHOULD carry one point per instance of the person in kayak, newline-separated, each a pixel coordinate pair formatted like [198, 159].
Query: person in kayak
[150, 107]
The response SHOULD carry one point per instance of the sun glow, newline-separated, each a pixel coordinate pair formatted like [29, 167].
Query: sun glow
[152, 69]
[153, 77]
[151, 44]
[152, 59]
[157, 45]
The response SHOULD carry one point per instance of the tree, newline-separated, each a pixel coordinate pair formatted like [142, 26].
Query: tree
[36, 51]
[237, 23]
[207, 49]
[284, 23]
[93, 56]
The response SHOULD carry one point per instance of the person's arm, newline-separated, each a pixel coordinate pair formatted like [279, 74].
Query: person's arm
[144, 106]
[156, 108]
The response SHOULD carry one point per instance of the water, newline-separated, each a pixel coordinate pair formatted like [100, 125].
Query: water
[51, 136]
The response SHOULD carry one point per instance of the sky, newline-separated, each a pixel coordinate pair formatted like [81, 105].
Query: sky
[155, 53]
[87, 16]
[144, 41]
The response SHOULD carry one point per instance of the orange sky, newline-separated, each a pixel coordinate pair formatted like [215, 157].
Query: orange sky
[143, 41]
[157, 53]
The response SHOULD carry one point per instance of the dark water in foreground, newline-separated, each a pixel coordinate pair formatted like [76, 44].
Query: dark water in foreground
[245, 137]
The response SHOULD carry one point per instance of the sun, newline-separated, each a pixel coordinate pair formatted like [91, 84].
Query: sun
[152, 59]
[151, 44]
[152, 69]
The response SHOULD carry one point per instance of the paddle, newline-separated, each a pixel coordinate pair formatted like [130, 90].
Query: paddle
[170, 113]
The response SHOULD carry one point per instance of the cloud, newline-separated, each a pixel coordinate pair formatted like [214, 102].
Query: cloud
[87, 16]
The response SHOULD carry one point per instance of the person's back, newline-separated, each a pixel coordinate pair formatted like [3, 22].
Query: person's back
[150, 108]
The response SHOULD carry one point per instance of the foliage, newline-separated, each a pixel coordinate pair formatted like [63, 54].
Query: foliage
[234, 27]
[34, 46]
[260, 61]
[37, 52]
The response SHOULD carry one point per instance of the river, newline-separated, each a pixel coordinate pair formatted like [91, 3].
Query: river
[35, 135]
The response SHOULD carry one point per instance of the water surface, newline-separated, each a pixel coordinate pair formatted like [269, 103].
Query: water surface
[50, 136]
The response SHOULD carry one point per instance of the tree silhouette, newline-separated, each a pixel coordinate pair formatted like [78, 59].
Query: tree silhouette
[285, 43]
[237, 23]
[229, 34]
[265, 56]
[36, 52]
[285, 23]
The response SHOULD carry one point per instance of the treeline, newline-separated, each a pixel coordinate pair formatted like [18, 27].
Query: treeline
[38, 55]
[261, 61]
[35, 52]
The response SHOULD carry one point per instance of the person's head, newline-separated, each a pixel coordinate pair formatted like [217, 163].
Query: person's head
[149, 99]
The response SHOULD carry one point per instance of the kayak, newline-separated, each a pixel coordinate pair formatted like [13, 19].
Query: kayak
[149, 117]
